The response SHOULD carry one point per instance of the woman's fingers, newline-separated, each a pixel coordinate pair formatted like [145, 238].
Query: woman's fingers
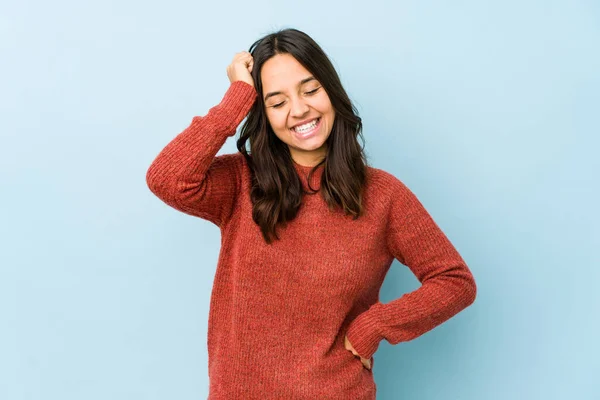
[241, 67]
[349, 347]
[366, 363]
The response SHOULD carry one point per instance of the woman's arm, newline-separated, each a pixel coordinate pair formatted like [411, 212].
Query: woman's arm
[447, 284]
[188, 176]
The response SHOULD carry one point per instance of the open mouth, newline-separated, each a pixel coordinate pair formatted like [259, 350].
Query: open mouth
[307, 130]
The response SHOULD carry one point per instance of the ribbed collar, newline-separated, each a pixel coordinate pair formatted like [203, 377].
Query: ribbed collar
[315, 179]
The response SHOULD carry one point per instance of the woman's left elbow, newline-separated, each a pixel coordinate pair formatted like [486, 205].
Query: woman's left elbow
[470, 289]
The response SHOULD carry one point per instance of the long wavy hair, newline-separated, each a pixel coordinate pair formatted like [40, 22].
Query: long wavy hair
[277, 191]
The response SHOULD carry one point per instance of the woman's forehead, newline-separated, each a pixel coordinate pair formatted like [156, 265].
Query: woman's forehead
[283, 71]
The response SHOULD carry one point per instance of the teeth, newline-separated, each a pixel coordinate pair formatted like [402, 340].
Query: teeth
[306, 127]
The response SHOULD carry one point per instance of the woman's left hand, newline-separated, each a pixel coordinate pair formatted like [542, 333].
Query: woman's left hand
[348, 345]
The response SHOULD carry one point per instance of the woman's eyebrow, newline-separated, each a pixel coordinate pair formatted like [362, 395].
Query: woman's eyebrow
[302, 82]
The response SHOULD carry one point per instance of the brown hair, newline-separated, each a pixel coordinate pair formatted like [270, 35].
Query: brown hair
[277, 191]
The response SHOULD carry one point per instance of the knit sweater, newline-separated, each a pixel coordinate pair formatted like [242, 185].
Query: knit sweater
[279, 313]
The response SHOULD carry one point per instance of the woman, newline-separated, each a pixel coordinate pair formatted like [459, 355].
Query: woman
[308, 232]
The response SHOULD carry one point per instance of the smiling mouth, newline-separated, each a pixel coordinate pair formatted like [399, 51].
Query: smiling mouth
[305, 128]
[312, 128]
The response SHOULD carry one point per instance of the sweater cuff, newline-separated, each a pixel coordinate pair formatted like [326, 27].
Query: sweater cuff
[236, 103]
[363, 333]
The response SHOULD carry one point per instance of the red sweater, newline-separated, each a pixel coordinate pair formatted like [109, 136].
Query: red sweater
[279, 313]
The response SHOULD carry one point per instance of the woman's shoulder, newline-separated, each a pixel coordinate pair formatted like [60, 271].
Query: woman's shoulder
[382, 180]
[233, 160]
[390, 188]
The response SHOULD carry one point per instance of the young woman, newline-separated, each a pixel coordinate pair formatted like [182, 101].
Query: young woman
[308, 232]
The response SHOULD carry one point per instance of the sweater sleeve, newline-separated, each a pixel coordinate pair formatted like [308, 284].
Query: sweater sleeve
[447, 284]
[188, 176]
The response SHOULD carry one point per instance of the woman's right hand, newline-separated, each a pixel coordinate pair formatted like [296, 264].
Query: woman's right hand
[240, 68]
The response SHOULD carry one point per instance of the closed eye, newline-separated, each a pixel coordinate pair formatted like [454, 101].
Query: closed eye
[310, 93]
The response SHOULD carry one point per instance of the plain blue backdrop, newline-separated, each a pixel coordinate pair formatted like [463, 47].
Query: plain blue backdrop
[488, 111]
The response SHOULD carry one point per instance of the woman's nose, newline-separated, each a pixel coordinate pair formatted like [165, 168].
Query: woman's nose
[299, 107]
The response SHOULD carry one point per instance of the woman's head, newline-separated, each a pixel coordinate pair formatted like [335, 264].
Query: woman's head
[297, 107]
[296, 83]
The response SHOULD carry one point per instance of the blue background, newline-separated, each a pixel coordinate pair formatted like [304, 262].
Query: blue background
[488, 111]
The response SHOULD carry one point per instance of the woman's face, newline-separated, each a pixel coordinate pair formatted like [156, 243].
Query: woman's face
[298, 108]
